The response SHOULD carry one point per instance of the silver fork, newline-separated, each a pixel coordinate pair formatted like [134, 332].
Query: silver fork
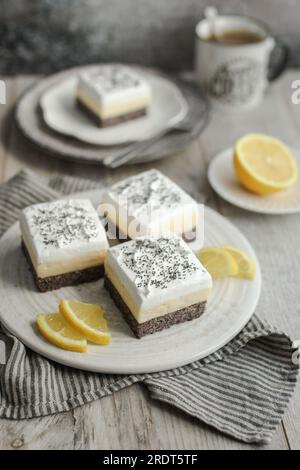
[129, 153]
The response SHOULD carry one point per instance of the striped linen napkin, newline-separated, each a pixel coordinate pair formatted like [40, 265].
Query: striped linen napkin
[242, 390]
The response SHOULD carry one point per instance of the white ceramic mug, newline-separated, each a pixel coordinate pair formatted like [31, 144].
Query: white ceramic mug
[236, 75]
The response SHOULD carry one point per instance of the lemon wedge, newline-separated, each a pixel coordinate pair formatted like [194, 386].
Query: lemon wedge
[264, 164]
[88, 319]
[218, 262]
[58, 331]
[246, 266]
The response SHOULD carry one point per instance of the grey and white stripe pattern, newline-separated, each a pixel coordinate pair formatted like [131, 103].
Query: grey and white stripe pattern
[242, 389]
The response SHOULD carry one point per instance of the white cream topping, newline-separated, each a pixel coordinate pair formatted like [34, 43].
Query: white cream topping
[149, 204]
[114, 109]
[61, 234]
[112, 85]
[155, 270]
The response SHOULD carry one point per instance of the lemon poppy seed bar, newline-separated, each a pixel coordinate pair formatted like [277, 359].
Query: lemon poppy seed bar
[64, 243]
[156, 282]
[113, 94]
[149, 204]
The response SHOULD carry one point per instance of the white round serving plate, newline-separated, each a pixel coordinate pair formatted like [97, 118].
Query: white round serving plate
[230, 306]
[224, 181]
[61, 113]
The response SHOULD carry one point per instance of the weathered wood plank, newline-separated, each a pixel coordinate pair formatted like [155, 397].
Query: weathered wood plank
[5, 123]
[50, 432]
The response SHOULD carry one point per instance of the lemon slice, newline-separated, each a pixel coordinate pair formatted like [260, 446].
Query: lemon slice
[218, 262]
[57, 330]
[264, 164]
[246, 266]
[88, 319]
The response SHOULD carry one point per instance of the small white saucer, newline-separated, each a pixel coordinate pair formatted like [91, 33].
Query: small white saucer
[61, 114]
[222, 178]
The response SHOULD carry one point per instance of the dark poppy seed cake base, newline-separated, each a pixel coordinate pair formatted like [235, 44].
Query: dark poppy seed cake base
[110, 121]
[156, 324]
[45, 284]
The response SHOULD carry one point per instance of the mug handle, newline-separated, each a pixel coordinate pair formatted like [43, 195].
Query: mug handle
[279, 60]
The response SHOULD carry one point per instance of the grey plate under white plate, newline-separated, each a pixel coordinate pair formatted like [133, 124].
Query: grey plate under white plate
[222, 178]
[231, 305]
[31, 123]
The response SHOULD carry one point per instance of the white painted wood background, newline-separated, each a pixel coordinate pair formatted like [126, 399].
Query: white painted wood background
[130, 419]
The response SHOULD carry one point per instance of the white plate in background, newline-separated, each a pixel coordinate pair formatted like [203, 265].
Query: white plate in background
[61, 114]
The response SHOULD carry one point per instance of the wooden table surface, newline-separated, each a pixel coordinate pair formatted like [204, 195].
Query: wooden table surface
[130, 419]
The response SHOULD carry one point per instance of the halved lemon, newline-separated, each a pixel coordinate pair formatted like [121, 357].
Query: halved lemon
[264, 164]
[55, 328]
[246, 266]
[218, 262]
[88, 319]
